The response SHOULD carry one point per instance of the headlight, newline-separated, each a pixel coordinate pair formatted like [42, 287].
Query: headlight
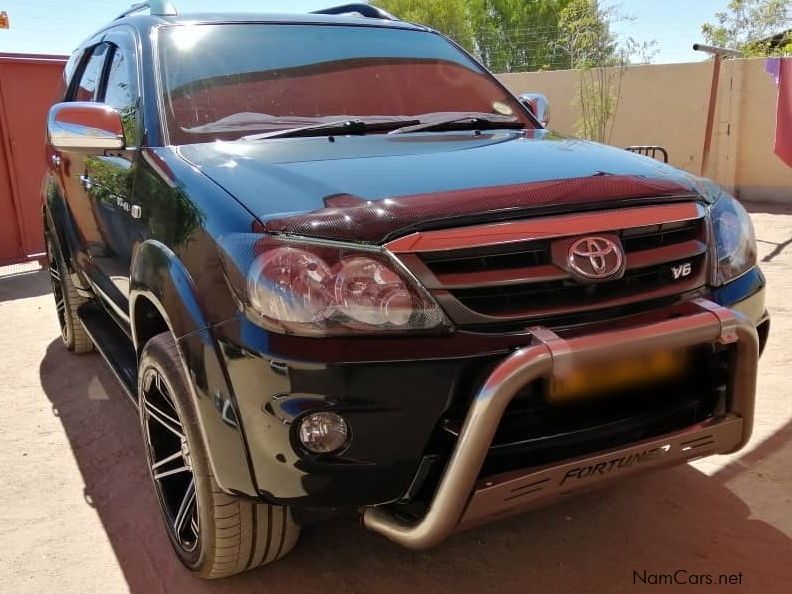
[735, 243]
[325, 288]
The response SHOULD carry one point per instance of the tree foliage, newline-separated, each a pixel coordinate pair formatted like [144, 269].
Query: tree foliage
[451, 17]
[506, 35]
[755, 27]
[585, 36]
[515, 35]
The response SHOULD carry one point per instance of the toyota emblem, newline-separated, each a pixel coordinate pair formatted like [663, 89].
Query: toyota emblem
[595, 258]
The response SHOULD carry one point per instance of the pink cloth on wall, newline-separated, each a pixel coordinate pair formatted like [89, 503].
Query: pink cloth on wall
[781, 69]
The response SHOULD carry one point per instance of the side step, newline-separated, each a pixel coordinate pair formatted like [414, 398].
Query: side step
[113, 344]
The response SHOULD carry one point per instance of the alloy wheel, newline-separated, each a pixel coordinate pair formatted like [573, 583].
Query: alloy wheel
[58, 292]
[169, 460]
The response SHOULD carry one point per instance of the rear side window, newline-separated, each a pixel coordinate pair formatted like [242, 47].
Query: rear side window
[121, 92]
[91, 75]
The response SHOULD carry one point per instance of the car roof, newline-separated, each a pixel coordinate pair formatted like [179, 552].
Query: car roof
[145, 22]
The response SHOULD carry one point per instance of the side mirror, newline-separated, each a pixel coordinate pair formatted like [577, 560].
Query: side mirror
[85, 125]
[538, 105]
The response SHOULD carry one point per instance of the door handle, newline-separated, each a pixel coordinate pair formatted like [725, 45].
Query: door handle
[56, 161]
[87, 184]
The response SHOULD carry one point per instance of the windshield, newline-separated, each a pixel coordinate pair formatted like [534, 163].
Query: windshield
[232, 80]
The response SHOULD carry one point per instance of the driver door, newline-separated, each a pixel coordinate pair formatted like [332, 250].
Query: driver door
[112, 173]
[98, 184]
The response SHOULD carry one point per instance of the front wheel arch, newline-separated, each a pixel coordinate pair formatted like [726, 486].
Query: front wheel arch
[162, 297]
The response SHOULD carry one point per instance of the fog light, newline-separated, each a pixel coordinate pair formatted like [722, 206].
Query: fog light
[323, 432]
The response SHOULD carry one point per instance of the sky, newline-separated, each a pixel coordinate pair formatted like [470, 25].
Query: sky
[674, 24]
[58, 26]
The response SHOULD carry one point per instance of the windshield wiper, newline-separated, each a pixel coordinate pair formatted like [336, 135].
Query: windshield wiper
[348, 126]
[476, 121]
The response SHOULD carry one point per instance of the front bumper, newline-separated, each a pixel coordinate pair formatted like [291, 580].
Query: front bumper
[462, 498]
[395, 392]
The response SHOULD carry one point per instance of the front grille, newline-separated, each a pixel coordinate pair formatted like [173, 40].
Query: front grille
[494, 281]
[657, 236]
[566, 293]
[488, 258]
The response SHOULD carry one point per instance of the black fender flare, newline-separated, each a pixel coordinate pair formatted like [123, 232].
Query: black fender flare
[158, 275]
[55, 220]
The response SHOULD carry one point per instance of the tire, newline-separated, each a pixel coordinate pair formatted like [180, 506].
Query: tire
[67, 300]
[225, 535]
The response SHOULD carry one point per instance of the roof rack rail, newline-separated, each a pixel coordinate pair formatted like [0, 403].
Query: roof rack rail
[365, 10]
[156, 7]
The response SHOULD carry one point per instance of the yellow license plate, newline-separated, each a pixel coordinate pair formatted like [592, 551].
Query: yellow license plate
[615, 375]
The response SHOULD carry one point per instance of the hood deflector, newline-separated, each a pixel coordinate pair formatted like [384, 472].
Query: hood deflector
[350, 218]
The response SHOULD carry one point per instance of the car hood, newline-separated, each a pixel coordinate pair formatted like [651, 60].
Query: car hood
[373, 187]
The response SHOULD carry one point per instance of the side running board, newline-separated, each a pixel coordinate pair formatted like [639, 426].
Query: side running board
[113, 344]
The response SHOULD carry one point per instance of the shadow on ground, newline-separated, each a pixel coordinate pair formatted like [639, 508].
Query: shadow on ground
[24, 285]
[677, 519]
[771, 208]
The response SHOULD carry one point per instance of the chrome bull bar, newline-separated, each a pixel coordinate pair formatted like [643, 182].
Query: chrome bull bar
[460, 502]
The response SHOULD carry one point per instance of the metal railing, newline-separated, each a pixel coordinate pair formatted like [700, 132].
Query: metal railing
[649, 151]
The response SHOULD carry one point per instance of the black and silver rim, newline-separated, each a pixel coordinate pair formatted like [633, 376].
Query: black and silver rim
[169, 460]
[56, 280]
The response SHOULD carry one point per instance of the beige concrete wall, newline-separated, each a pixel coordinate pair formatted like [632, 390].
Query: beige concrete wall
[666, 105]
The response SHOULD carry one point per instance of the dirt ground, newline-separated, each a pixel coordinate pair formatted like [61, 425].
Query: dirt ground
[77, 512]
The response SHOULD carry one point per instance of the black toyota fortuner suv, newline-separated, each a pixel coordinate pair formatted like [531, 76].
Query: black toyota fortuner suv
[339, 267]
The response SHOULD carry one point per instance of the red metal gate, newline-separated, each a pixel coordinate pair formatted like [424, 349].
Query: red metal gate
[28, 84]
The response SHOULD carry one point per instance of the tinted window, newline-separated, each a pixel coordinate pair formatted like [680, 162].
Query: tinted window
[121, 92]
[92, 74]
[71, 66]
[223, 81]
